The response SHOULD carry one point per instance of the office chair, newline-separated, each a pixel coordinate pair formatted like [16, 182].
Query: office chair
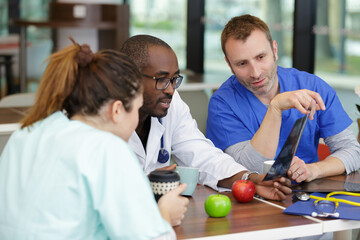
[323, 151]
[198, 102]
[18, 100]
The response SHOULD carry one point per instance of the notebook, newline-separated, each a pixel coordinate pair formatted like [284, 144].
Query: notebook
[283, 161]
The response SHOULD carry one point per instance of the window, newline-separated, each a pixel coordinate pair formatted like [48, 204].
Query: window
[337, 33]
[163, 19]
[3, 17]
[337, 55]
[278, 14]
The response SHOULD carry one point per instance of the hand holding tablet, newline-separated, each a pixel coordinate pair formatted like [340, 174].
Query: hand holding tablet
[283, 161]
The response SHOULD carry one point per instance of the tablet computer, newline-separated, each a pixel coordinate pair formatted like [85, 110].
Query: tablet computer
[329, 185]
[283, 161]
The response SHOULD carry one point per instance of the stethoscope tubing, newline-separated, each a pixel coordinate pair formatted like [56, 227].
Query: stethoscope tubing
[164, 155]
[337, 200]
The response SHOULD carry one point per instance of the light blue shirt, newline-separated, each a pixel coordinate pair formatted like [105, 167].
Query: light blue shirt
[66, 180]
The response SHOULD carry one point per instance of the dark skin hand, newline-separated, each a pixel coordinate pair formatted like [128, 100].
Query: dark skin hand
[273, 190]
[170, 168]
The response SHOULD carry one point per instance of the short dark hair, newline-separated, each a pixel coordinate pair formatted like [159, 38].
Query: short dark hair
[137, 47]
[241, 27]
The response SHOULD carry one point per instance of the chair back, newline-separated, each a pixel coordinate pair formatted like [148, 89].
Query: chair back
[5, 132]
[18, 100]
[198, 102]
[323, 151]
[4, 137]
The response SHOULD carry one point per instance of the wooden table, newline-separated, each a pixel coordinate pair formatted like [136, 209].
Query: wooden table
[10, 117]
[9, 122]
[258, 219]
[12, 114]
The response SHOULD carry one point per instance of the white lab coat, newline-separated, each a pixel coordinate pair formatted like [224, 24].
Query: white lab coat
[186, 144]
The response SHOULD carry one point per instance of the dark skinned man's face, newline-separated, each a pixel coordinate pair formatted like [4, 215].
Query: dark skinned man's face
[162, 63]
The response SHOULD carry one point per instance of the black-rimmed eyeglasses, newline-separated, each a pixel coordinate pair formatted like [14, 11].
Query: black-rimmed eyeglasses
[163, 82]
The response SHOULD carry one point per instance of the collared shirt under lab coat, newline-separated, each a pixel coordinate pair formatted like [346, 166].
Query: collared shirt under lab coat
[186, 144]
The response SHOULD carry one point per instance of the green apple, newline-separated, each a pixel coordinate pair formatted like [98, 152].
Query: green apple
[217, 205]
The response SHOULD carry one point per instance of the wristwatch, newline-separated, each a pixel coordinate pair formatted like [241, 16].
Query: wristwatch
[246, 175]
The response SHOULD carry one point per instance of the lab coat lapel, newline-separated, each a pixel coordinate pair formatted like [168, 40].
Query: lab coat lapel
[153, 143]
[136, 145]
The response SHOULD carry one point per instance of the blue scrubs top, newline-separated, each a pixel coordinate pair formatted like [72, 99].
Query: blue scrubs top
[235, 114]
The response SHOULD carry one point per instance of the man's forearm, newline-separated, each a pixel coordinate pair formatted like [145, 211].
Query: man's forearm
[345, 147]
[246, 155]
[269, 129]
[330, 166]
[227, 182]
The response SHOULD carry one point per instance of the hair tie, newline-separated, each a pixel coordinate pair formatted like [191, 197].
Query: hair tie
[85, 55]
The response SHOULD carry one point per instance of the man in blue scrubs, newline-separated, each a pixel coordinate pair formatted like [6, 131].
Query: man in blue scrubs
[258, 90]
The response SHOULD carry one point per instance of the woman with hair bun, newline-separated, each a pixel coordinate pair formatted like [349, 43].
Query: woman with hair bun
[69, 173]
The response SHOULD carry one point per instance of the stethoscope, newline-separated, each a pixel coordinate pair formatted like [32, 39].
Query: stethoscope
[164, 155]
[328, 200]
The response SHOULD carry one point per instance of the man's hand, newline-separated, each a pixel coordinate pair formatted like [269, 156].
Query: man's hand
[273, 190]
[299, 171]
[170, 168]
[303, 100]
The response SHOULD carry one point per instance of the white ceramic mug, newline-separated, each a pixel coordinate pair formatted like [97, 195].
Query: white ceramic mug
[267, 165]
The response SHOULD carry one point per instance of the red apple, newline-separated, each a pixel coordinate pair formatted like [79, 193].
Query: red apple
[243, 190]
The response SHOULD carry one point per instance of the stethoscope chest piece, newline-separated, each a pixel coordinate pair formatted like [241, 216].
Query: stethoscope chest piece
[302, 196]
[164, 155]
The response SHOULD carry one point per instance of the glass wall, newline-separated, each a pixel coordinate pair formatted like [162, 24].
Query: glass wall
[337, 55]
[36, 10]
[3, 17]
[39, 40]
[337, 33]
[278, 14]
[164, 19]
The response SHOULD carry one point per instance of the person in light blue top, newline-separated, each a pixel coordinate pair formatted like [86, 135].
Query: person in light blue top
[252, 113]
[69, 173]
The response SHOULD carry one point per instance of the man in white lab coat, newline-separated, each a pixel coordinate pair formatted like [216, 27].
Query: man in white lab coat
[166, 126]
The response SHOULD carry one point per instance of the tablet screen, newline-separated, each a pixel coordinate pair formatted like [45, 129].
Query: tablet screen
[283, 161]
